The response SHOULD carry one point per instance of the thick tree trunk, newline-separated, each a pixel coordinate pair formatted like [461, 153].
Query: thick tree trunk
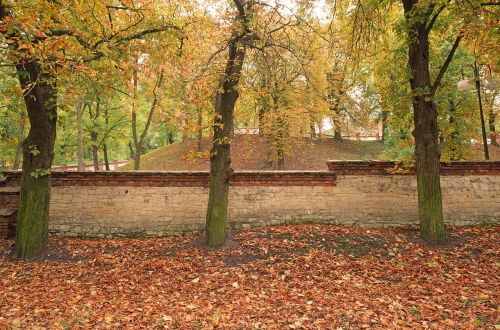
[20, 138]
[38, 152]
[430, 209]
[79, 123]
[491, 124]
[220, 160]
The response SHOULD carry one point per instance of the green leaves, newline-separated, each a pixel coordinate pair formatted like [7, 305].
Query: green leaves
[40, 172]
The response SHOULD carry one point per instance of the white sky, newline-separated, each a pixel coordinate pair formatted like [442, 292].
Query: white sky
[319, 7]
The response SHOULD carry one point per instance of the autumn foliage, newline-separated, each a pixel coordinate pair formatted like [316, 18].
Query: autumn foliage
[288, 277]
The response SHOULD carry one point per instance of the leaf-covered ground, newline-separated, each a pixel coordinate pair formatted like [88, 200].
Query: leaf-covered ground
[298, 277]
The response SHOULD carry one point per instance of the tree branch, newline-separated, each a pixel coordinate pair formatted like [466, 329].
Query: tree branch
[152, 109]
[434, 18]
[446, 63]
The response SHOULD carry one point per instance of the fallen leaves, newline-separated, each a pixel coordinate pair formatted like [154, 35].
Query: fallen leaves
[295, 277]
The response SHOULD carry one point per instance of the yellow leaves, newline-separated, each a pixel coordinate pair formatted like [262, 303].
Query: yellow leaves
[108, 318]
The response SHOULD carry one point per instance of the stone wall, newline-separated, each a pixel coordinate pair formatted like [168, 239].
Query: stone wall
[367, 194]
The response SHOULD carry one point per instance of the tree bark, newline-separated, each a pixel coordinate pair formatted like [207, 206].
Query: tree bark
[131, 150]
[312, 127]
[384, 124]
[20, 138]
[94, 134]
[491, 124]
[282, 129]
[105, 155]
[455, 150]
[337, 132]
[430, 209]
[40, 96]
[79, 122]
[105, 146]
[220, 159]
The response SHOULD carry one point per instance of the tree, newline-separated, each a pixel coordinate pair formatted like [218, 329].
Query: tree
[45, 39]
[419, 21]
[220, 156]
[139, 139]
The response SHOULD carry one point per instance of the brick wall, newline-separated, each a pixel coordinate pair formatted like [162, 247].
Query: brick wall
[351, 193]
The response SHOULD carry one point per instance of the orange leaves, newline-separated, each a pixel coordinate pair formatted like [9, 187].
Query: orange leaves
[288, 277]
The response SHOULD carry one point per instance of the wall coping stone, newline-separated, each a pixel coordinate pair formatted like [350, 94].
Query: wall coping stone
[181, 178]
[381, 167]
[251, 178]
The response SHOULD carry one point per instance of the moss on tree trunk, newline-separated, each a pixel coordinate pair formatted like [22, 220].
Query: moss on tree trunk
[430, 208]
[220, 159]
[38, 153]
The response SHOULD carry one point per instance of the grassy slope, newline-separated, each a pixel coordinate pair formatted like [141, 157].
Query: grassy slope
[250, 152]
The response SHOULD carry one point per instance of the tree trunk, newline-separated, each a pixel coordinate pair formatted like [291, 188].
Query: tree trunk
[105, 146]
[20, 138]
[105, 155]
[337, 133]
[38, 152]
[94, 134]
[384, 124]
[139, 140]
[491, 124]
[95, 155]
[263, 107]
[280, 143]
[220, 160]
[455, 151]
[312, 127]
[281, 160]
[200, 131]
[79, 122]
[137, 158]
[430, 209]
[131, 150]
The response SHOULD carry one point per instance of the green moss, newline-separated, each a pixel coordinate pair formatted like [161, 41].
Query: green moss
[33, 222]
[430, 209]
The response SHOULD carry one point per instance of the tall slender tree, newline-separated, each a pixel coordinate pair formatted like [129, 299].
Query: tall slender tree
[220, 157]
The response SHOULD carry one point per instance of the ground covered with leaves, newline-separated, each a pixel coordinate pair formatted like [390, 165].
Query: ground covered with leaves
[288, 277]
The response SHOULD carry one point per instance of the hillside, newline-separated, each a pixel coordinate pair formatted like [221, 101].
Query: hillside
[250, 152]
